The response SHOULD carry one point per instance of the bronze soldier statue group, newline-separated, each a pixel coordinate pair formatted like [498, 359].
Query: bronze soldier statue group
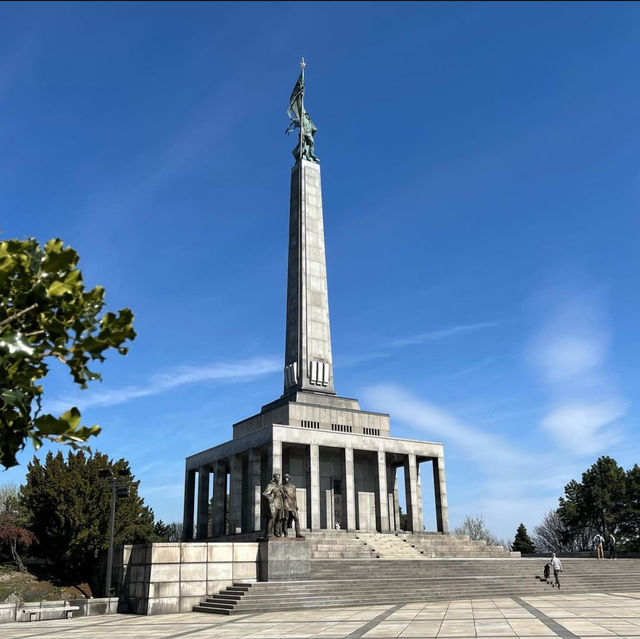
[281, 505]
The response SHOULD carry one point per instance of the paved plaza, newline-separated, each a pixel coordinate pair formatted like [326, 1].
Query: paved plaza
[567, 616]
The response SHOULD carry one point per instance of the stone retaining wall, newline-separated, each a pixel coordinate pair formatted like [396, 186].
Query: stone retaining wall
[165, 578]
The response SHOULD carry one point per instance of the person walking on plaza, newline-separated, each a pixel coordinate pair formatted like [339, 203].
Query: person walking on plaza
[613, 554]
[598, 542]
[556, 564]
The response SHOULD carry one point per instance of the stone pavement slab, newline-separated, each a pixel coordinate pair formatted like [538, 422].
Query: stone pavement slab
[591, 616]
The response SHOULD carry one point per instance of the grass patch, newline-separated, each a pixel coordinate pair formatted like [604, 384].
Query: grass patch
[29, 586]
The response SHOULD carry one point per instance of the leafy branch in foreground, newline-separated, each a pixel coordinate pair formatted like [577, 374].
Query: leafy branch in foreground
[46, 314]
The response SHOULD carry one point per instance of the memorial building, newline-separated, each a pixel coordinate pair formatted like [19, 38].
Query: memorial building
[342, 459]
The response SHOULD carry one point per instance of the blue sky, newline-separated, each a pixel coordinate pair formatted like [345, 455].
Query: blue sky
[481, 183]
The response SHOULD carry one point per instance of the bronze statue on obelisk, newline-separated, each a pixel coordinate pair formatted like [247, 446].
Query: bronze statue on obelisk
[301, 120]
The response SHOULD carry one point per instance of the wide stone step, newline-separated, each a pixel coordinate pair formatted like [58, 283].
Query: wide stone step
[207, 606]
[378, 581]
[326, 575]
[422, 564]
[227, 597]
[333, 600]
[331, 603]
[455, 589]
[354, 546]
[355, 549]
[334, 555]
[417, 584]
[427, 590]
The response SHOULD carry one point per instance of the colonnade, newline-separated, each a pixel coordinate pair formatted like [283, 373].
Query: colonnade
[239, 479]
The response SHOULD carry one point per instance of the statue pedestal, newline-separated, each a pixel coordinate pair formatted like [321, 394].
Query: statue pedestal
[284, 559]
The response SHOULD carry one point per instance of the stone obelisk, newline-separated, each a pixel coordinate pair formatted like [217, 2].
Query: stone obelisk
[308, 364]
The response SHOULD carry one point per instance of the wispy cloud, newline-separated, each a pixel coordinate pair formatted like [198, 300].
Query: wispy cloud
[152, 172]
[568, 352]
[438, 423]
[431, 336]
[168, 490]
[488, 474]
[507, 486]
[572, 341]
[585, 426]
[444, 333]
[166, 381]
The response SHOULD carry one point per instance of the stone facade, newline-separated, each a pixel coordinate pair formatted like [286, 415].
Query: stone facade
[345, 477]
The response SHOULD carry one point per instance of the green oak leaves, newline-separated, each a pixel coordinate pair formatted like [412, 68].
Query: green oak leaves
[46, 314]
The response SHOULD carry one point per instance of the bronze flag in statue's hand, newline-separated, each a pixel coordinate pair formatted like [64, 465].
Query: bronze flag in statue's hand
[295, 101]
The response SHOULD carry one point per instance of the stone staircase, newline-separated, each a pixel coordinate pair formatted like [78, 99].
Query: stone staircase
[352, 582]
[330, 544]
[439, 546]
[390, 546]
[340, 544]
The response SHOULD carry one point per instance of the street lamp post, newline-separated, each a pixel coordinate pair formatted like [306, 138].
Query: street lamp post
[119, 488]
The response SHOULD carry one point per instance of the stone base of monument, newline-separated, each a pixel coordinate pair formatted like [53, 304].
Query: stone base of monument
[162, 578]
[284, 559]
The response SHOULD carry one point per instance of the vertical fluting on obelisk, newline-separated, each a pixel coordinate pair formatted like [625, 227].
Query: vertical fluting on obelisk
[308, 364]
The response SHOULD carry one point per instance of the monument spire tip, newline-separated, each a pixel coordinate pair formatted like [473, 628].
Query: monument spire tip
[303, 64]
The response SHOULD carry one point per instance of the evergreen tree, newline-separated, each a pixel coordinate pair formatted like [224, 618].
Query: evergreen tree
[168, 532]
[629, 527]
[598, 503]
[606, 501]
[522, 542]
[69, 508]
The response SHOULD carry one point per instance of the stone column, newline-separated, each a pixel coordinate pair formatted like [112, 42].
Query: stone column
[329, 513]
[419, 495]
[350, 489]
[411, 492]
[392, 484]
[396, 502]
[382, 500]
[392, 512]
[235, 494]
[314, 484]
[219, 497]
[254, 493]
[189, 503]
[440, 488]
[274, 459]
[203, 502]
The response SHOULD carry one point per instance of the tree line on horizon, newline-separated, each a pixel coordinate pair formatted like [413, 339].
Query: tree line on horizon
[606, 501]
